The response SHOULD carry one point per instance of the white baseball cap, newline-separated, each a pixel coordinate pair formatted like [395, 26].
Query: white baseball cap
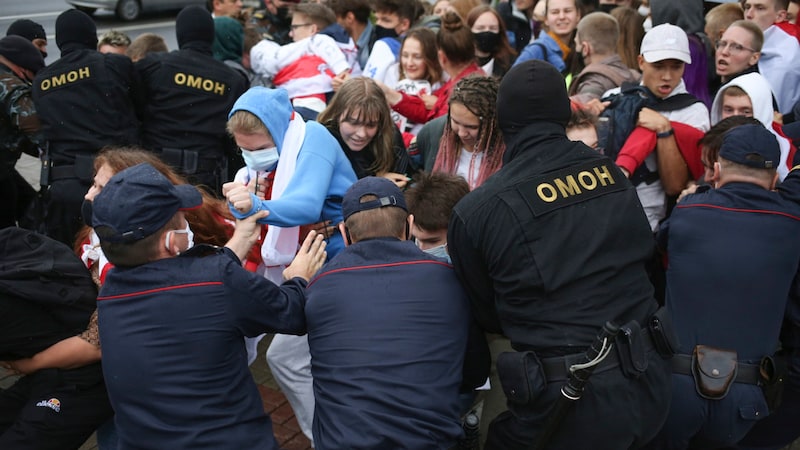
[666, 41]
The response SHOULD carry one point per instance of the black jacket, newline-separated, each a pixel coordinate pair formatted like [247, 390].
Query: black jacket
[188, 97]
[87, 100]
[364, 159]
[553, 245]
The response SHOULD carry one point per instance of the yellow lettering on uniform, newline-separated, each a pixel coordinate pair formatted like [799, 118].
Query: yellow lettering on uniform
[195, 82]
[591, 184]
[551, 194]
[604, 175]
[59, 80]
[64, 78]
[568, 188]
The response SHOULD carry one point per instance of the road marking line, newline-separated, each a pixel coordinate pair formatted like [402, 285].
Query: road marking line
[101, 31]
[29, 16]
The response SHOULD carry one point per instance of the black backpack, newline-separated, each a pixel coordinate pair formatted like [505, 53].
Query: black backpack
[43, 271]
[619, 118]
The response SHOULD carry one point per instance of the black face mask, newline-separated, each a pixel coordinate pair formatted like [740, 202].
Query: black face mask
[580, 57]
[381, 32]
[86, 212]
[486, 41]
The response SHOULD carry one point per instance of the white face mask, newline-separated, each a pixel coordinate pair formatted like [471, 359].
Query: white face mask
[260, 160]
[648, 24]
[189, 236]
[644, 11]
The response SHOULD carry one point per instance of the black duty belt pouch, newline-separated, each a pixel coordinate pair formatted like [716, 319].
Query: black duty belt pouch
[521, 376]
[772, 371]
[185, 161]
[84, 167]
[663, 333]
[714, 371]
[631, 350]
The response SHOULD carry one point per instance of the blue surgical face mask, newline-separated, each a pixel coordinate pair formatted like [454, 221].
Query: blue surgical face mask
[440, 251]
[261, 160]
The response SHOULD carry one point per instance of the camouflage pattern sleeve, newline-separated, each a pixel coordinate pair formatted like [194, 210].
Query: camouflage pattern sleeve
[20, 129]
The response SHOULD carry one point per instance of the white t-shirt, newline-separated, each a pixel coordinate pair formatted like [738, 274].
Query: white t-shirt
[652, 196]
[469, 165]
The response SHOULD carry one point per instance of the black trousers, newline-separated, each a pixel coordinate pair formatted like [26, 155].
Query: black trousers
[62, 209]
[53, 409]
[614, 413]
[18, 194]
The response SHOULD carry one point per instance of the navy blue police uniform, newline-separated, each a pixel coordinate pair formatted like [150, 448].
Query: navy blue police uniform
[172, 329]
[733, 255]
[173, 349]
[387, 329]
[549, 249]
[389, 333]
[779, 430]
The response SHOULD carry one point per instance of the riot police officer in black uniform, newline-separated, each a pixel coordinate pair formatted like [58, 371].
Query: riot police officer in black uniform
[188, 97]
[550, 248]
[86, 101]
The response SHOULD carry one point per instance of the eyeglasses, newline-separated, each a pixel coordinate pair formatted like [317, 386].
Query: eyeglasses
[300, 25]
[733, 47]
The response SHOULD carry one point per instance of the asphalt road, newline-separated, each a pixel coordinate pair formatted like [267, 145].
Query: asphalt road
[45, 13]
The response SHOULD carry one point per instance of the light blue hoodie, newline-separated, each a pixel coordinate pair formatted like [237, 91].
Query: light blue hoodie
[321, 176]
[536, 50]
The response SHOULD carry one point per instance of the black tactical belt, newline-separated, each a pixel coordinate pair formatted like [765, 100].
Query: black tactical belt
[745, 373]
[557, 368]
[62, 173]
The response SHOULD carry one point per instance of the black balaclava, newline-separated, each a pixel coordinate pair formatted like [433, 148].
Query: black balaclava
[22, 52]
[532, 91]
[194, 26]
[75, 30]
[28, 29]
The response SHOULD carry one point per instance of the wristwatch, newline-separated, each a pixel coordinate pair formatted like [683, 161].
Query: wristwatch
[665, 134]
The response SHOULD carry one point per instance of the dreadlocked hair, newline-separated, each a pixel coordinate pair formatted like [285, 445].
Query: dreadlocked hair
[479, 95]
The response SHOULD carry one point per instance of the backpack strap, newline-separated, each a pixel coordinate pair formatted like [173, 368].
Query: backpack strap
[676, 102]
[543, 47]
